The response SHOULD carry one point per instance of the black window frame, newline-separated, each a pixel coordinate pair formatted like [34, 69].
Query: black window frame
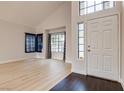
[39, 45]
[35, 43]
[26, 44]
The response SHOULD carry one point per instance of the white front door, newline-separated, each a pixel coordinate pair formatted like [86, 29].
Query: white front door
[102, 36]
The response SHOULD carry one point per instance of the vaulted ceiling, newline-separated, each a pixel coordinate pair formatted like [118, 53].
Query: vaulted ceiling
[29, 13]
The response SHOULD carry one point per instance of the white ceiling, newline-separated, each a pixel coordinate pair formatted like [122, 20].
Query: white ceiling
[29, 13]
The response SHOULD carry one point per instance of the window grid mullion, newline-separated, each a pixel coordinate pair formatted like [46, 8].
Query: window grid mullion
[90, 6]
[79, 40]
[58, 43]
[95, 4]
[103, 5]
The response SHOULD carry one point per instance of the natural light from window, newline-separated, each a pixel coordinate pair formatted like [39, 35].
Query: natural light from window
[87, 7]
[57, 42]
[80, 40]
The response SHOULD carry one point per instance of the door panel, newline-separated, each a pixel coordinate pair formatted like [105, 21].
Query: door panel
[107, 40]
[102, 36]
[107, 63]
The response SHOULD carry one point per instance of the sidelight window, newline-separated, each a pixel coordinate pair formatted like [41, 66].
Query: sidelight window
[80, 40]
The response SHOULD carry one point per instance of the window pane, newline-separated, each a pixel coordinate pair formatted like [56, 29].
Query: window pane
[60, 50]
[98, 1]
[81, 40]
[90, 9]
[81, 48]
[53, 49]
[56, 49]
[52, 40]
[57, 42]
[87, 7]
[30, 43]
[106, 5]
[82, 11]
[82, 4]
[81, 55]
[81, 26]
[52, 36]
[57, 36]
[99, 7]
[111, 4]
[90, 3]
[81, 33]
[61, 37]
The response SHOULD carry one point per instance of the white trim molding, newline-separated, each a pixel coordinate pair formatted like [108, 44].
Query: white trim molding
[122, 83]
[78, 71]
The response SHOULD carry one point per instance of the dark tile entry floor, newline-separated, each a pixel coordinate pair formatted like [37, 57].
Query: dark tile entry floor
[77, 82]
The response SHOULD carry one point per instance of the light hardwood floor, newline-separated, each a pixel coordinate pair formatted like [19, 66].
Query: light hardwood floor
[35, 74]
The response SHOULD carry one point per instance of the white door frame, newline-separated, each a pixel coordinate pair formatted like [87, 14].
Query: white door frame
[119, 39]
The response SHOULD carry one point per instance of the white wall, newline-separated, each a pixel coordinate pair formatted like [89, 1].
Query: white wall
[60, 18]
[12, 41]
[122, 47]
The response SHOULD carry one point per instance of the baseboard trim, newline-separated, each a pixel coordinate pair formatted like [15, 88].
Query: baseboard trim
[122, 83]
[78, 71]
[14, 60]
